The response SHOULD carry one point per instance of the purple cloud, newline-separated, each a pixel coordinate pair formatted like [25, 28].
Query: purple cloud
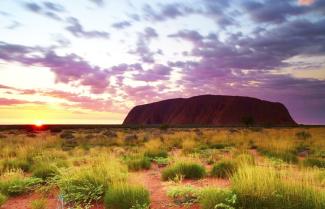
[48, 9]
[76, 29]
[158, 72]
[121, 25]
[67, 68]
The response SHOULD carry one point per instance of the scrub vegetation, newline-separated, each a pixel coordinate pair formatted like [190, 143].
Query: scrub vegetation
[141, 168]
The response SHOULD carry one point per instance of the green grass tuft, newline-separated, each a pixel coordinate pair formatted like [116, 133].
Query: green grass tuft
[124, 196]
[187, 170]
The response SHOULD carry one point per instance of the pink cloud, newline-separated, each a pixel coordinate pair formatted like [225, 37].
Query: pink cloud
[306, 2]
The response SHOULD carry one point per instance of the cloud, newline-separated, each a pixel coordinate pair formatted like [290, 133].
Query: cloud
[306, 2]
[166, 11]
[271, 11]
[84, 102]
[68, 68]
[157, 73]
[99, 3]
[142, 46]
[121, 25]
[48, 9]
[76, 29]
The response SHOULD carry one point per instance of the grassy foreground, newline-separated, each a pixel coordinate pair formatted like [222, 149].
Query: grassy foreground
[280, 168]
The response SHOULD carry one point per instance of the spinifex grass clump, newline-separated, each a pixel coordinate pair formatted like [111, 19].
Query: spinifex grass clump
[258, 188]
[14, 183]
[44, 171]
[223, 169]
[215, 198]
[3, 199]
[125, 196]
[184, 194]
[136, 163]
[314, 162]
[87, 184]
[17, 163]
[188, 170]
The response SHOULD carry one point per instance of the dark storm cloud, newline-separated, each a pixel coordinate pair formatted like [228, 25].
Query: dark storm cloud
[76, 29]
[121, 25]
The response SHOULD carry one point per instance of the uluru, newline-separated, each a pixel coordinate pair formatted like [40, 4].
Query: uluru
[219, 110]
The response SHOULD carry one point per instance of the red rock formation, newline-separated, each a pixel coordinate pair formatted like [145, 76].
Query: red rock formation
[210, 110]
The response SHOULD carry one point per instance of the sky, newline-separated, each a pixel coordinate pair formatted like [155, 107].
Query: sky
[91, 61]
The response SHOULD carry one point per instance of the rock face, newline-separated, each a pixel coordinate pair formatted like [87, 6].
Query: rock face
[210, 110]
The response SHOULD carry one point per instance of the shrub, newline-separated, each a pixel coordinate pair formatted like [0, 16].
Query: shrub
[45, 171]
[286, 156]
[17, 163]
[311, 162]
[124, 196]
[223, 169]
[215, 198]
[38, 204]
[184, 194]
[3, 199]
[188, 170]
[303, 135]
[87, 184]
[154, 153]
[264, 188]
[245, 159]
[161, 161]
[137, 163]
[18, 185]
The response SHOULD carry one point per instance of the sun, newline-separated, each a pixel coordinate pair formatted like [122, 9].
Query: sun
[38, 123]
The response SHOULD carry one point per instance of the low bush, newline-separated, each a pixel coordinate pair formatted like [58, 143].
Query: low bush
[184, 194]
[16, 184]
[161, 161]
[136, 163]
[23, 164]
[303, 135]
[245, 159]
[186, 169]
[3, 199]
[154, 153]
[44, 171]
[87, 184]
[223, 169]
[314, 162]
[38, 204]
[285, 156]
[264, 188]
[215, 198]
[124, 196]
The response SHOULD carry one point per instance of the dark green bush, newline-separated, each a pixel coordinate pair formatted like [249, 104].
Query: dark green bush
[311, 162]
[138, 163]
[303, 135]
[3, 199]
[22, 164]
[223, 169]
[44, 171]
[154, 153]
[215, 198]
[18, 186]
[187, 170]
[124, 196]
